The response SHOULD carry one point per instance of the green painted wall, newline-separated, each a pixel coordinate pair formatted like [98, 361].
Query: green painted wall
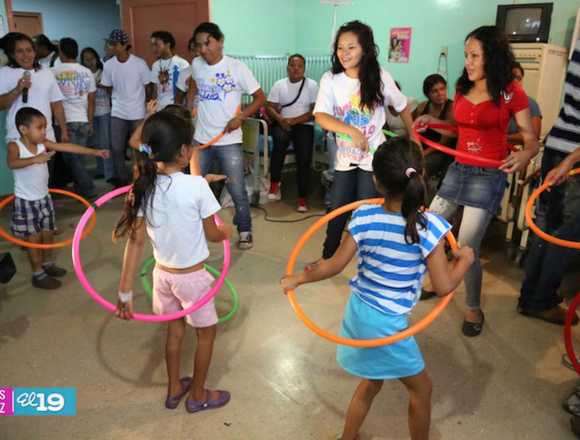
[256, 27]
[276, 27]
[6, 182]
[435, 23]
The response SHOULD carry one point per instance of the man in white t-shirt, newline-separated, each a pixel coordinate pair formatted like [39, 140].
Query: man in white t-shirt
[77, 84]
[220, 82]
[37, 88]
[128, 78]
[165, 71]
[290, 104]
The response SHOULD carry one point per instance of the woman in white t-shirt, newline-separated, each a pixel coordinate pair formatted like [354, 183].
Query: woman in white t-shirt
[24, 83]
[290, 105]
[352, 102]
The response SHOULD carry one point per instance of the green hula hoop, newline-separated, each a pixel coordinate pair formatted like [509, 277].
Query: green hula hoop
[148, 264]
[390, 133]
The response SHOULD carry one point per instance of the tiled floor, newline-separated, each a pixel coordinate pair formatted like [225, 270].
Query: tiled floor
[285, 383]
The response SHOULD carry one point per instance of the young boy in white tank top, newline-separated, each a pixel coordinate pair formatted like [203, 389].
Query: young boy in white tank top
[33, 214]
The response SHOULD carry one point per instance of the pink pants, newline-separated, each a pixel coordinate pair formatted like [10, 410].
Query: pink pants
[173, 292]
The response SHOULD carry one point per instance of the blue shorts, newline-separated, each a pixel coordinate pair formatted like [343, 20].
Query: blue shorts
[477, 187]
[361, 321]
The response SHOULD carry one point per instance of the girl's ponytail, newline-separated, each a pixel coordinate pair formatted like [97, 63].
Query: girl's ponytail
[414, 199]
[398, 166]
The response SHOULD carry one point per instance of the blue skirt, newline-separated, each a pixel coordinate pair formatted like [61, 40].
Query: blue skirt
[361, 321]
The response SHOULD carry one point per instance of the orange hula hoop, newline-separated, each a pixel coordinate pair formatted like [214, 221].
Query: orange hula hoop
[217, 137]
[57, 245]
[360, 343]
[543, 235]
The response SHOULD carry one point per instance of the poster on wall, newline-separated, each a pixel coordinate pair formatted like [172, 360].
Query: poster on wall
[400, 45]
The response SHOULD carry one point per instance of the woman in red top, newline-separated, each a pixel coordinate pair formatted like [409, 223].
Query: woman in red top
[486, 97]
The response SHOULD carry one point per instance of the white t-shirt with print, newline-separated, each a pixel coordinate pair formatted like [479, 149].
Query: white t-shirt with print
[75, 82]
[102, 97]
[182, 81]
[284, 92]
[128, 81]
[174, 219]
[43, 91]
[165, 74]
[339, 96]
[220, 88]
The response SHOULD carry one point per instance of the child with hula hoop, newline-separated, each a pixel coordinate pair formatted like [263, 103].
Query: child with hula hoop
[33, 217]
[176, 211]
[396, 243]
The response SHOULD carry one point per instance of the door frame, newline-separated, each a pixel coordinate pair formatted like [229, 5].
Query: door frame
[29, 14]
[9, 18]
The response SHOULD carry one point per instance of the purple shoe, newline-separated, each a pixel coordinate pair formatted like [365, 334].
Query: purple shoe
[172, 402]
[193, 406]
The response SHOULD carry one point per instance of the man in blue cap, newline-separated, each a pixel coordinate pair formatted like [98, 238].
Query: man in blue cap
[128, 77]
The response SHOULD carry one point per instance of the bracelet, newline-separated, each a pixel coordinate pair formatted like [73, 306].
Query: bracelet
[125, 297]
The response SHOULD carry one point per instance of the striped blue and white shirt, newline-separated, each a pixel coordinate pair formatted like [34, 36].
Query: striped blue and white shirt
[391, 271]
[565, 134]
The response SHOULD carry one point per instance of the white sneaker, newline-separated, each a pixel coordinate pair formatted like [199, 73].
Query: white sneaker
[276, 196]
[245, 242]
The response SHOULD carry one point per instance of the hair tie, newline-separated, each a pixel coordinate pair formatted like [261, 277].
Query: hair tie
[409, 172]
[145, 149]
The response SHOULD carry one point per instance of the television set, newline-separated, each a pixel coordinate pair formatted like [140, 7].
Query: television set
[525, 23]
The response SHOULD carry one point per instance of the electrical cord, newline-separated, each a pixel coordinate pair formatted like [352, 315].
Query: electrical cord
[298, 220]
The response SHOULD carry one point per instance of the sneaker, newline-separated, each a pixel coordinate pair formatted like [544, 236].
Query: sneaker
[52, 270]
[302, 207]
[245, 242]
[46, 282]
[275, 192]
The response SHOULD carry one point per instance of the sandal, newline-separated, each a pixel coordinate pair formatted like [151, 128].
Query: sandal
[193, 406]
[472, 329]
[172, 402]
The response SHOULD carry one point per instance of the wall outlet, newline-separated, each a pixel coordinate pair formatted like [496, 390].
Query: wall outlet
[444, 51]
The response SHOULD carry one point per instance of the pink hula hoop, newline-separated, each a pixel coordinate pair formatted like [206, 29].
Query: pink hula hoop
[77, 264]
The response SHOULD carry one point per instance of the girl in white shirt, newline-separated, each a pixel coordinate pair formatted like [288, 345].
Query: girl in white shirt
[176, 211]
[352, 102]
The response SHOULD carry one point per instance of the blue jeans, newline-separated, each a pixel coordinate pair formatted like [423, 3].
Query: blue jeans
[347, 187]
[558, 214]
[78, 133]
[231, 161]
[121, 130]
[101, 139]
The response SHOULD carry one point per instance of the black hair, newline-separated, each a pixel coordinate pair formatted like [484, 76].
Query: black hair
[518, 66]
[42, 40]
[398, 85]
[69, 48]
[431, 81]
[392, 164]
[371, 94]
[26, 115]
[95, 54]
[166, 37]
[297, 55]
[208, 28]
[165, 134]
[191, 44]
[9, 45]
[182, 113]
[498, 58]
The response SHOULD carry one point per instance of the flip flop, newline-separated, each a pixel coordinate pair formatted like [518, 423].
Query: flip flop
[193, 406]
[172, 402]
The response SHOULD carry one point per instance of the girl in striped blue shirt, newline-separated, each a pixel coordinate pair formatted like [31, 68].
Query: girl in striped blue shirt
[396, 243]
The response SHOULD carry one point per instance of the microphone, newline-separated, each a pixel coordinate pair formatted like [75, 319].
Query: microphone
[25, 90]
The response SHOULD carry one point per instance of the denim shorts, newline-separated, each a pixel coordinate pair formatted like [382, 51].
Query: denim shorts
[477, 187]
